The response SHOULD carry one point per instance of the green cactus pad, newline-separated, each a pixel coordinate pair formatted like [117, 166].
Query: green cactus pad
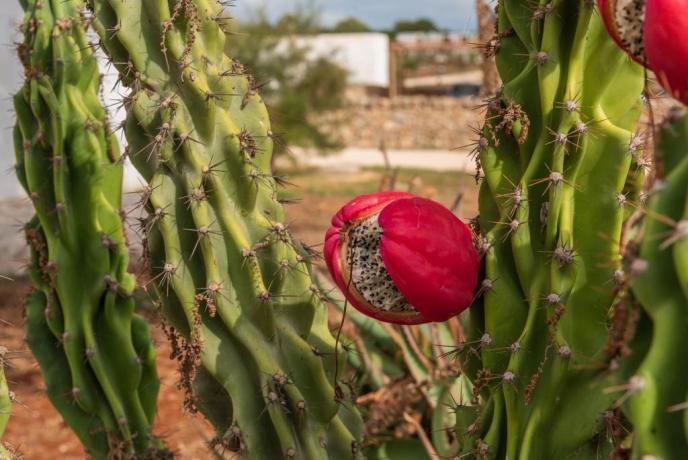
[657, 259]
[558, 179]
[95, 353]
[254, 350]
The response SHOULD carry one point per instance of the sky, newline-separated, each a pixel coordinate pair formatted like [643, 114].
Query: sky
[454, 15]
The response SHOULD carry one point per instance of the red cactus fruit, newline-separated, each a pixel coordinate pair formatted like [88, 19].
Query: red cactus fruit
[624, 22]
[652, 33]
[666, 44]
[402, 259]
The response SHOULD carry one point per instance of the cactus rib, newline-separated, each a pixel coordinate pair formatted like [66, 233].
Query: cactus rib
[254, 349]
[555, 156]
[658, 260]
[94, 352]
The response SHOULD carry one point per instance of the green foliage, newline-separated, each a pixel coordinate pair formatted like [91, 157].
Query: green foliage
[247, 325]
[350, 25]
[557, 154]
[415, 25]
[400, 450]
[303, 20]
[295, 87]
[407, 372]
[95, 354]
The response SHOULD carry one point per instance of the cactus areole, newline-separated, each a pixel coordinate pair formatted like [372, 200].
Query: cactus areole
[653, 33]
[402, 259]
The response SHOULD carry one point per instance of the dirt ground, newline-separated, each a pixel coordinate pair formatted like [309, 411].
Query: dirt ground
[37, 431]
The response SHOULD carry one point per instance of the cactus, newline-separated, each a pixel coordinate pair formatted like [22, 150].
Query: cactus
[95, 354]
[557, 151]
[5, 404]
[248, 326]
[404, 370]
[657, 259]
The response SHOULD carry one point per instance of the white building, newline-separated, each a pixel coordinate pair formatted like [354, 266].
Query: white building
[10, 81]
[364, 55]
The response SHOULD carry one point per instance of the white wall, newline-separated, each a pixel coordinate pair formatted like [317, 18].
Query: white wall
[364, 55]
[112, 96]
[10, 80]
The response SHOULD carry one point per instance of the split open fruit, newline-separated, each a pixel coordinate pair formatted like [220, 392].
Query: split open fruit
[402, 259]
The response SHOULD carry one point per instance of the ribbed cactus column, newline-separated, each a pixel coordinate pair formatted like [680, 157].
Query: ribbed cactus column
[255, 352]
[657, 394]
[95, 354]
[556, 150]
[5, 404]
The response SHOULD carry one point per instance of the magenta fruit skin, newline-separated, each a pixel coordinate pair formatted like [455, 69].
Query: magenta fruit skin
[427, 251]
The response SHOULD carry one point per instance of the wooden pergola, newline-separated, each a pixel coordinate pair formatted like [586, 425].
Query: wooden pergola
[398, 48]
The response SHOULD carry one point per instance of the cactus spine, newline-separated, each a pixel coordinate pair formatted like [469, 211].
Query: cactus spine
[249, 326]
[95, 354]
[556, 151]
[658, 260]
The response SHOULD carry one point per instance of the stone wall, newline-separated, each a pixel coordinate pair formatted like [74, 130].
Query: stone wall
[405, 122]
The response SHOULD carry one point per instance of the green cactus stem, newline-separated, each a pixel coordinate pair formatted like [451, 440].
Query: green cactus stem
[5, 404]
[248, 325]
[657, 263]
[401, 368]
[561, 171]
[95, 354]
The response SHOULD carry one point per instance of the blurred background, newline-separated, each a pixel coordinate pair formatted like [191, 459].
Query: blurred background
[363, 96]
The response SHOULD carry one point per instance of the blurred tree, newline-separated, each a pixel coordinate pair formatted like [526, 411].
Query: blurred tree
[294, 84]
[350, 25]
[416, 25]
[303, 20]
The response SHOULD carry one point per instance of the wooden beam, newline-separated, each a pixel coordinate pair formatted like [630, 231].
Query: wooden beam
[393, 81]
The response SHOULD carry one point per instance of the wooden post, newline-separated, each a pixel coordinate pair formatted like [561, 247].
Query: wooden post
[486, 30]
[393, 83]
